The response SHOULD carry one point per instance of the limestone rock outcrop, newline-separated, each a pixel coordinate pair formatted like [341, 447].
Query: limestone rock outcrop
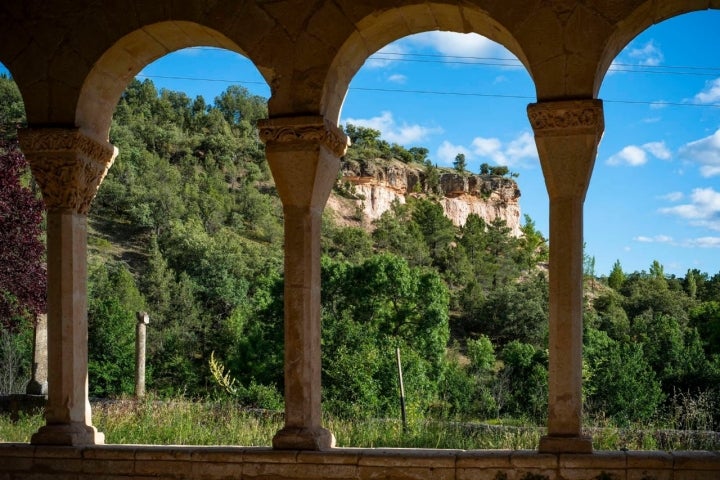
[368, 189]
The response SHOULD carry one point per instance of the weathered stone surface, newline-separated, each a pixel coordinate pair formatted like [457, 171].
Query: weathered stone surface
[119, 462]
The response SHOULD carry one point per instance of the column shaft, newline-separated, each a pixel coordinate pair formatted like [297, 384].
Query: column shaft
[567, 134]
[68, 167]
[303, 153]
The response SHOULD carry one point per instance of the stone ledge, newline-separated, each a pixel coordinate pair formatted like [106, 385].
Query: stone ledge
[131, 462]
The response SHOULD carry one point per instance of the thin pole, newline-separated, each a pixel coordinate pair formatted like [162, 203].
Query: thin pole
[140, 338]
[402, 389]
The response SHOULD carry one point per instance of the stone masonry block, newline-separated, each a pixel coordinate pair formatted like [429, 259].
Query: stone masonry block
[169, 468]
[115, 467]
[697, 460]
[484, 459]
[335, 457]
[58, 465]
[650, 474]
[409, 458]
[649, 460]
[405, 473]
[268, 455]
[532, 459]
[110, 452]
[16, 450]
[232, 455]
[163, 454]
[595, 460]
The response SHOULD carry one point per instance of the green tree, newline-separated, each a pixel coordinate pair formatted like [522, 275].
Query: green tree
[459, 163]
[437, 230]
[12, 109]
[619, 382]
[113, 302]
[396, 232]
[525, 371]
[533, 246]
[616, 277]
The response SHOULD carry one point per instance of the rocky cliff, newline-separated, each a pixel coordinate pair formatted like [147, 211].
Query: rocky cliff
[376, 185]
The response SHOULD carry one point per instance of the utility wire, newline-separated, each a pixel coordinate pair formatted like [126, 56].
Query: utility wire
[440, 92]
[510, 62]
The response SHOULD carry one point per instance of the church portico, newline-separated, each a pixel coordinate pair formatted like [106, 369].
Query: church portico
[72, 60]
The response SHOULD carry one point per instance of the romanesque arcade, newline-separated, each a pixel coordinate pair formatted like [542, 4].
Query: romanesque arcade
[73, 59]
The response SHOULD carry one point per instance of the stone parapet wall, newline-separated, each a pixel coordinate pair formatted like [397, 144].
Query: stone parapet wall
[120, 462]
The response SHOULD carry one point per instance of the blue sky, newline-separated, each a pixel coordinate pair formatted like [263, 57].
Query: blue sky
[655, 191]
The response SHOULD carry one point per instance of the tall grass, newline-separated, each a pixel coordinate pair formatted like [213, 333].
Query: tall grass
[183, 422]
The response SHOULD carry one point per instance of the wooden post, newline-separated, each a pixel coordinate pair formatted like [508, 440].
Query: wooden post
[402, 390]
[140, 340]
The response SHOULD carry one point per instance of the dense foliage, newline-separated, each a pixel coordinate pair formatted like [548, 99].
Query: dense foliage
[23, 278]
[188, 227]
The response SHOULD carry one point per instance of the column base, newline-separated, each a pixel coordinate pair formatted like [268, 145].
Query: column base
[562, 444]
[68, 434]
[36, 388]
[299, 438]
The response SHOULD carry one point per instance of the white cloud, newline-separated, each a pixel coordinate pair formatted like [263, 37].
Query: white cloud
[703, 211]
[705, 152]
[514, 153]
[654, 239]
[447, 152]
[673, 196]
[635, 156]
[711, 92]
[658, 149]
[705, 242]
[392, 132]
[631, 155]
[647, 55]
[459, 44]
[487, 147]
[386, 55]
[397, 78]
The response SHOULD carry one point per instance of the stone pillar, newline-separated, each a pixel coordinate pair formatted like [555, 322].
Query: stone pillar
[567, 134]
[68, 166]
[140, 340]
[38, 383]
[303, 153]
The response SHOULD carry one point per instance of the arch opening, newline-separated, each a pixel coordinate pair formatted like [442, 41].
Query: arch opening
[651, 216]
[119, 64]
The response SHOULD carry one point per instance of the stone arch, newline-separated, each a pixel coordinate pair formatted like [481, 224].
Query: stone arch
[112, 72]
[643, 17]
[377, 30]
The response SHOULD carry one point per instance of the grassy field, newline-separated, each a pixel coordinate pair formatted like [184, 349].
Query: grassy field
[192, 423]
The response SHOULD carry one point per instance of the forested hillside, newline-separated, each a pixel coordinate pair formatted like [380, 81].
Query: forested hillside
[188, 227]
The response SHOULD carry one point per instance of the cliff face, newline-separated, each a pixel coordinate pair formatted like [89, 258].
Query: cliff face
[378, 184]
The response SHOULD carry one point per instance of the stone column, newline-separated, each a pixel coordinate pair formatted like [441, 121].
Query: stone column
[68, 166]
[303, 153]
[567, 134]
[38, 383]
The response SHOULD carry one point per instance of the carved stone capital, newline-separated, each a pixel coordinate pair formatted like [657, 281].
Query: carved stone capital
[306, 129]
[568, 117]
[68, 165]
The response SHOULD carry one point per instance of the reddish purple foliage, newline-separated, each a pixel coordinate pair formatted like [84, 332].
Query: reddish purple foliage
[23, 275]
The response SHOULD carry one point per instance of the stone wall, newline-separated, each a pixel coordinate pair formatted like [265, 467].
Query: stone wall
[122, 462]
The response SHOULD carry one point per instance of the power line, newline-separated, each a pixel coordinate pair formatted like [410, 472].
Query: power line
[445, 93]
[515, 63]
[200, 79]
